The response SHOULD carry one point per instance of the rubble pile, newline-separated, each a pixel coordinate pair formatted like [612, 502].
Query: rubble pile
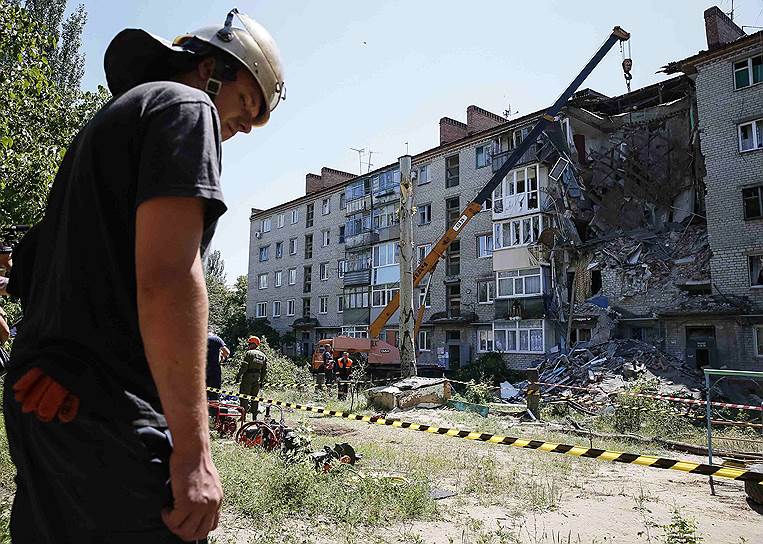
[608, 367]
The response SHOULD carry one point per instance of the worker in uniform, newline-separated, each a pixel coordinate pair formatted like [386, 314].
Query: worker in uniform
[328, 366]
[104, 401]
[344, 366]
[251, 375]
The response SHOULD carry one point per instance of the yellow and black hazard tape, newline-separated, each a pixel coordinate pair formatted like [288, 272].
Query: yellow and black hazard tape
[550, 447]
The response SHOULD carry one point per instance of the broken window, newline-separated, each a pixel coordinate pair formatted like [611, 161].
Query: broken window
[453, 259]
[579, 335]
[752, 199]
[756, 270]
[751, 135]
[453, 210]
[454, 300]
[519, 232]
[307, 280]
[451, 171]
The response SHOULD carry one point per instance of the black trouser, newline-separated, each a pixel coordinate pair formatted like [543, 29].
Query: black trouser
[94, 480]
[344, 385]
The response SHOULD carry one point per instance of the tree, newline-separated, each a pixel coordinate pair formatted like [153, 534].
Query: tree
[215, 266]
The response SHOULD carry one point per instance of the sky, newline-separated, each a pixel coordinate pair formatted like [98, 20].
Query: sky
[380, 75]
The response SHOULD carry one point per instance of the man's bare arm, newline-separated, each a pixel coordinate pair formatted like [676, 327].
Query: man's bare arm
[172, 310]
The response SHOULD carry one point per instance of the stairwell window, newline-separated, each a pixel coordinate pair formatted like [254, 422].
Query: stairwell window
[307, 279]
[262, 309]
[310, 215]
[308, 246]
[451, 171]
[748, 72]
[751, 135]
[306, 307]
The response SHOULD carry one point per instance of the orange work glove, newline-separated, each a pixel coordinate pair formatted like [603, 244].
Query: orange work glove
[39, 393]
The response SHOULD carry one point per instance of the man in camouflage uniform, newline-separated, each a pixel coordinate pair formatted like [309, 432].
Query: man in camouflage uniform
[252, 375]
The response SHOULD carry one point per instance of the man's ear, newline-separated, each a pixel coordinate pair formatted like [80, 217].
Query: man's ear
[206, 68]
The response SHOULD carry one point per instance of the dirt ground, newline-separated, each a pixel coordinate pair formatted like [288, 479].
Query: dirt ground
[584, 500]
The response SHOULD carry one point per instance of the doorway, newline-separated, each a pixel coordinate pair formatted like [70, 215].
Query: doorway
[700, 346]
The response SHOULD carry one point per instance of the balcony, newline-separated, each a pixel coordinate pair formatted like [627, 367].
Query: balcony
[386, 196]
[516, 205]
[358, 277]
[361, 240]
[388, 233]
[358, 205]
[531, 155]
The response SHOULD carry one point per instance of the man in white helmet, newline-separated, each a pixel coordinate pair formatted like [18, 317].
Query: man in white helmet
[104, 401]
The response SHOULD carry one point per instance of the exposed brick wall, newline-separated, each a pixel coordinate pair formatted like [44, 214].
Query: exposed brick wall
[327, 178]
[478, 119]
[451, 130]
[719, 28]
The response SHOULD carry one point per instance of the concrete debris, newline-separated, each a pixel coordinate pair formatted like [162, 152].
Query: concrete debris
[409, 393]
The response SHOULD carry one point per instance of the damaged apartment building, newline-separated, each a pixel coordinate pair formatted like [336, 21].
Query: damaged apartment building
[620, 222]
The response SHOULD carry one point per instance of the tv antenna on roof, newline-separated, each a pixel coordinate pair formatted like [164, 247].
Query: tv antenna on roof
[360, 158]
[370, 164]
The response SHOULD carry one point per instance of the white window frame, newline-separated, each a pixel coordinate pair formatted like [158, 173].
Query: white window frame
[326, 237]
[426, 335]
[323, 271]
[385, 216]
[489, 344]
[323, 305]
[340, 304]
[291, 306]
[507, 189]
[515, 277]
[292, 276]
[757, 143]
[490, 291]
[265, 224]
[425, 210]
[261, 310]
[386, 291]
[295, 216]
[264, 253]
[262, 281]
[517, 328]
[748, 67]
[383, 250]
[279, 255]
[326, 206]
[425, 175]
[276, 308]
[292, 246]
[485, 153]
[519, 226]
[353, 294]
[355, 331]
[422, 300]
[750, 271]
[341, 267]
[757, 343]
[488, 251]
[278, 278]
[280, 220]
[422, 250]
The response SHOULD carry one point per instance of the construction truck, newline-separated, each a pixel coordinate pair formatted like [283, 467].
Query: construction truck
[384, 358]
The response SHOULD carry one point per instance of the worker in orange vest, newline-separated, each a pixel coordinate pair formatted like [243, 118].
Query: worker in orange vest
[344, 364]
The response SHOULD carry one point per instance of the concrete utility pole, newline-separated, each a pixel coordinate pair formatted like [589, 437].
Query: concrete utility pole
[407, 320]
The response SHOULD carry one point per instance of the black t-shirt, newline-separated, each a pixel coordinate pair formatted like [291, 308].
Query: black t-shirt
[214, 345]
[157, 139]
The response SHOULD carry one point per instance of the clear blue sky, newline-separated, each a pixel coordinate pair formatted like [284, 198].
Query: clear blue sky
[379, 74]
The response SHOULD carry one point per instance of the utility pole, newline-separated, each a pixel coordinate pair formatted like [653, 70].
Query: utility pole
[407, 320]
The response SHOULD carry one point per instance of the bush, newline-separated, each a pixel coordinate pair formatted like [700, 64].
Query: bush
[281, 369]
[490, 368]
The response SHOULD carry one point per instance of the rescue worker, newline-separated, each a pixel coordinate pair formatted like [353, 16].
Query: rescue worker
[344, 365]
[104, 401]
[251, 375]
[328, 366]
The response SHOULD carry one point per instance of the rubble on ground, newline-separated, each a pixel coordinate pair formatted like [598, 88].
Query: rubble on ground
[608, 368]
[409, 393]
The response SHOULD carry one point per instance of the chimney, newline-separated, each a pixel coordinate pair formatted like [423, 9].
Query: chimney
[478, 119]
[451, 130]
[327, 178]
[720, 29]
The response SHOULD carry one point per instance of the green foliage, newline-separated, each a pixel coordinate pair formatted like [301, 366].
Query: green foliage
[681, 530]
[281, 369]
[479, 393]
[489, 367]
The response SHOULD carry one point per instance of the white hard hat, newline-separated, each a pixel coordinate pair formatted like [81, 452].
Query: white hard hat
[135, 56]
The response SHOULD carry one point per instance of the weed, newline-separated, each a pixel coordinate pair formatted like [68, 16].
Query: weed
[681, 530]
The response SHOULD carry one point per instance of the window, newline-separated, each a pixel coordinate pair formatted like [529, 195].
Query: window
[307, 279]
[424, 213]
[305, 307]
[424, 175]
[451, 171]
[342, 201]
[292, 246]
[751, 135]
[453, 302]
[518, 192]
[264, 253]
[758, 334]
[279, 250]
[452, 336]
[357, 262]
[265, 225]
[355, 331]
[308, 246]
[519, 232]
[382, 294]
[276, 308]
[280, 221]
[294, 217]
[483, 155]
[290, 306]
[386, 182]
[748, 72]
[426, 302]
[357, 190]
[326, 237]
[340, 304]
[262, 281]
[341, 267]
[579, 335]
[292, 276]
[453, 210]
[519, 337]
[518, 283]
[278, 278]
[326, 206]
[262, 309]
[485, 292]
[484, 339]
[386, 254]
[421, 252]
[453, 259]
[425, 340]
[356, 297]
[310, 215]
[485, 245]
[323, 305]
[341, 234]
[752, 199]
[756, 270]
[324, 271]
[385, 216]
